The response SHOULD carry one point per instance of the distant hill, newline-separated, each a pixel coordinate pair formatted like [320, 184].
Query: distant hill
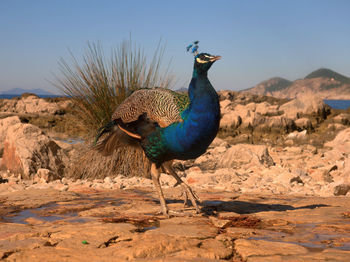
[327, 73]
[19, 91]
[323, 82]
[271, 85]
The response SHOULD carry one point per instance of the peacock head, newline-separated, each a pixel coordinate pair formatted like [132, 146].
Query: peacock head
[203, 61]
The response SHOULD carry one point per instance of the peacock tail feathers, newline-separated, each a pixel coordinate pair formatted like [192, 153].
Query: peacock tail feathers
[115, 139]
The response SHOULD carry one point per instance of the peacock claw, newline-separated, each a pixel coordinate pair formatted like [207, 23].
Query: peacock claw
[188, 193]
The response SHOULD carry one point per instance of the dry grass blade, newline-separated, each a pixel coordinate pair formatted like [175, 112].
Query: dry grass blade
[98, 85]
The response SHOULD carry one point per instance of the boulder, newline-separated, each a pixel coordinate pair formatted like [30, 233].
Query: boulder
[274, 122]
[306, 104]
[8, 105]
[4, 125]
[297, 135]
[341, 142]
[230, 120]
[27, 149]
[32, 104]
[341, 190]
[233, 117]
[227, 95]
[343, 119]
[44, 175]
[303, 123]
[35, 105]
[225, 106]
[241, 154]
[335, 127]
[265, 108]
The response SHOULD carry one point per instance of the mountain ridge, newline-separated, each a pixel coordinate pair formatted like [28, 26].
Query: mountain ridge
[20, 91]
[323, 82]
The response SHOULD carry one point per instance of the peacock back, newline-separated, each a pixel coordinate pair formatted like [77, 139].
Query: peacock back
[161, 105]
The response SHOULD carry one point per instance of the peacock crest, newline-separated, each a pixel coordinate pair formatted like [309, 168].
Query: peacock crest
[193, 48]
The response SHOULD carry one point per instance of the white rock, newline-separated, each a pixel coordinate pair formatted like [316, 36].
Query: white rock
[27, 149]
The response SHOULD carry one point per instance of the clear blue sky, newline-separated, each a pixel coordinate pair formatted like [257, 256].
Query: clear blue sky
[256, 39]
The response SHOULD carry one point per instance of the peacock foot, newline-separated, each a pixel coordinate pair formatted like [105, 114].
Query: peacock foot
[165, 212]
[185, 196]
[188, 193]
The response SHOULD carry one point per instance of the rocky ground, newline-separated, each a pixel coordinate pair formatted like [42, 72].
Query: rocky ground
[85, 224]
[274, 187]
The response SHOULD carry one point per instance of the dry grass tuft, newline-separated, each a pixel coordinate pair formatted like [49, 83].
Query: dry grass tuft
[128, 161]
[97, 86]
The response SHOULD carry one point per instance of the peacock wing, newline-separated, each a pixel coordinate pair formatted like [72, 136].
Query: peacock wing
[162, 106]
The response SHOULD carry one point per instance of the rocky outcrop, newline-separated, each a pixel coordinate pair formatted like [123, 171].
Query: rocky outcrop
[303, 123]
[305, 105]
[341, 142]
[27, 149]
[33, 105]
[243, 154]
[241, 111]
[343, 119]
[5, 123]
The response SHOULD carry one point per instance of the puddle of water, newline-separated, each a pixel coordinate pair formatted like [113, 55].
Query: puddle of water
[68, 211]
[316, 244]
[312, 247]
[21, 217]
[47, 213]
[80, 220]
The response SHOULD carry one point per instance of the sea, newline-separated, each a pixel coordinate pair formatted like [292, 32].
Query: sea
[5, 96]
[336, 104]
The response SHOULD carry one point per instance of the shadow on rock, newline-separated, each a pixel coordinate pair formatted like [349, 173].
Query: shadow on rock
[242, 207]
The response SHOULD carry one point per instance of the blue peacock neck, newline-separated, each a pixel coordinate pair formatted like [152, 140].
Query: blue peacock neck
[200, 85]
[197, 74]
[191, 137]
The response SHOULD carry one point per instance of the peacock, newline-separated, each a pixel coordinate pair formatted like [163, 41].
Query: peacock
[168, 125]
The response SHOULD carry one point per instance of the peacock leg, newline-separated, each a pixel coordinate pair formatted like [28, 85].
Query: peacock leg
[186, 188]
[184, 193]
[155, 177]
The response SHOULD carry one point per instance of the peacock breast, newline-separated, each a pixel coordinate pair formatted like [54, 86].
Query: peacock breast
[191, 138]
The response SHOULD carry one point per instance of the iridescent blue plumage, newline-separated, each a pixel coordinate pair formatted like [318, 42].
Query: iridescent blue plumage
[191, 137]
[194, 47]
[189, 47]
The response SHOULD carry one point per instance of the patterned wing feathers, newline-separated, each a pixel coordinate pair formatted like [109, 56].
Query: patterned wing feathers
[161, 105]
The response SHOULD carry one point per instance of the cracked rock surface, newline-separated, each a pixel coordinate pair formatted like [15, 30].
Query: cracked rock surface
[125, 225]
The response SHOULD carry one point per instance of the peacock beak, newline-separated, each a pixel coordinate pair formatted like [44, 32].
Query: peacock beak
[215, 58]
